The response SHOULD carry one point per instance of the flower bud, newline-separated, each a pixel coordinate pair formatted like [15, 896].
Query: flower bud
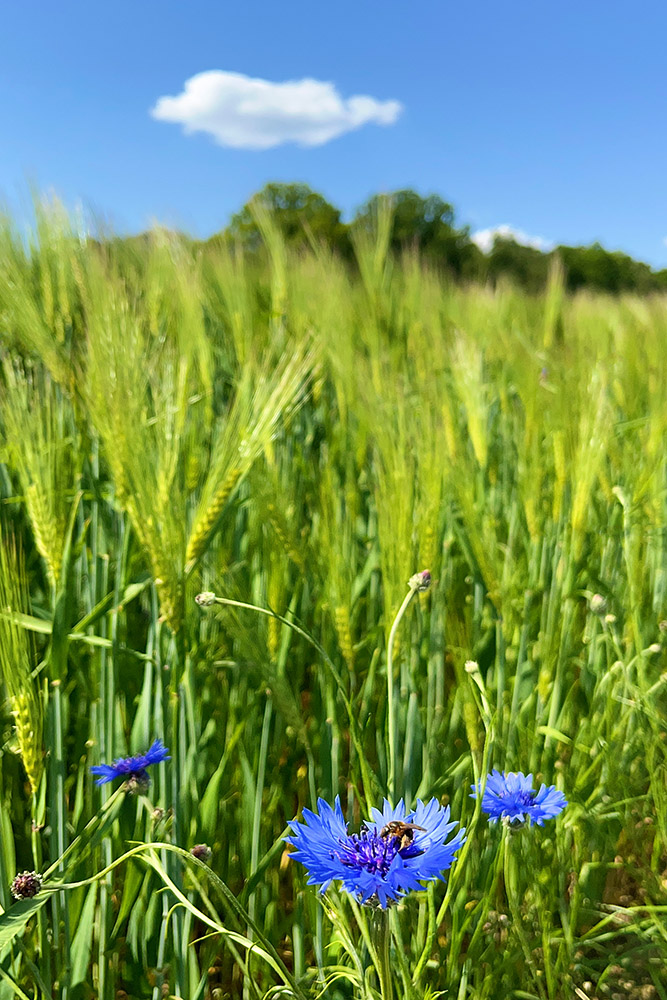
[420, 581]
[513, 823]
[26, 885]
[137, 784]
[598, 604]
[202, 852]
[205, 599]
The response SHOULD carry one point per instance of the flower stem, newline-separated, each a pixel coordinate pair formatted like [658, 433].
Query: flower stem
[392, 782]
[61, 910]
[384, 965]
[44, 947]
[430, 936]
[510, 871]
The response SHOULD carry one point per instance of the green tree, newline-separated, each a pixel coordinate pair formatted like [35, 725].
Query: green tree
[661, 280]
[526, 266]
[303, 217]
[606, 271]
[427, 225]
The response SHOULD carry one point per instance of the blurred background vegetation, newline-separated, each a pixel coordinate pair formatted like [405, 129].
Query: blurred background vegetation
[429, 226]
[301, 426]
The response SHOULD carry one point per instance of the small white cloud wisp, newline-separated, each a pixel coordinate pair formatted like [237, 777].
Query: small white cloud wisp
[484, 238]
[247, 113]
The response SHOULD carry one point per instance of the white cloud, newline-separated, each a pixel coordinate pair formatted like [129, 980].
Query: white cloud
[247, 113]
[484, 238]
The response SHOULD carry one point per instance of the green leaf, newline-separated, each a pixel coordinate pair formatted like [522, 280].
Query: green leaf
[10, 988]
[273, 853]
[555, 734]
[83, 939]
[13, 921]
[210, 800]
[134, 878]
[65, 602]
[28, 622]
[102, 607]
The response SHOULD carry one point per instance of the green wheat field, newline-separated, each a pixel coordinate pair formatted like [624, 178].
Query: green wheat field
[299, 436]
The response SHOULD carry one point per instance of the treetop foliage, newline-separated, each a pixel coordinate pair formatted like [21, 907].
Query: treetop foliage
[428, 225]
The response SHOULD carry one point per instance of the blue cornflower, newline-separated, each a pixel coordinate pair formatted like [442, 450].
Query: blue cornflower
[133, 769]
[376, 864]
[512, 799]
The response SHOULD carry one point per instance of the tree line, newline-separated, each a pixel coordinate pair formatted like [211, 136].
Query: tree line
[429, 226]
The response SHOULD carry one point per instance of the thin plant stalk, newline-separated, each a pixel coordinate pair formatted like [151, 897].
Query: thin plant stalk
[257, 816]
[61, 909]
[36, 841]
[511, 876]
[392, 781]
[384, 955]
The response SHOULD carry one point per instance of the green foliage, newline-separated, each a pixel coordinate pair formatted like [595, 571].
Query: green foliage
[300, 436]
[303, 219]
[302, 216]
[425, 225]
[526, 266]
[599, 269]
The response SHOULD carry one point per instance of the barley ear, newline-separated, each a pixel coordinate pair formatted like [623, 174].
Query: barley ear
[16, 662]
[205, 524]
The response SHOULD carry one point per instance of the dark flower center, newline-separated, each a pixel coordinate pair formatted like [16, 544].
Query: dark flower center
[370, 852]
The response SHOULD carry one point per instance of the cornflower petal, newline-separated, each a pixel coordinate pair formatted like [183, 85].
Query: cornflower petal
[388, 814]
[435, 820]
[548, 802]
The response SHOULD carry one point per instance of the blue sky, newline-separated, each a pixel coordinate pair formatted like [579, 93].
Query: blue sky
[549, 118]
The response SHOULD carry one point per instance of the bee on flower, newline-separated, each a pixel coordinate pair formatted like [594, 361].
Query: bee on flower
[395, 851]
